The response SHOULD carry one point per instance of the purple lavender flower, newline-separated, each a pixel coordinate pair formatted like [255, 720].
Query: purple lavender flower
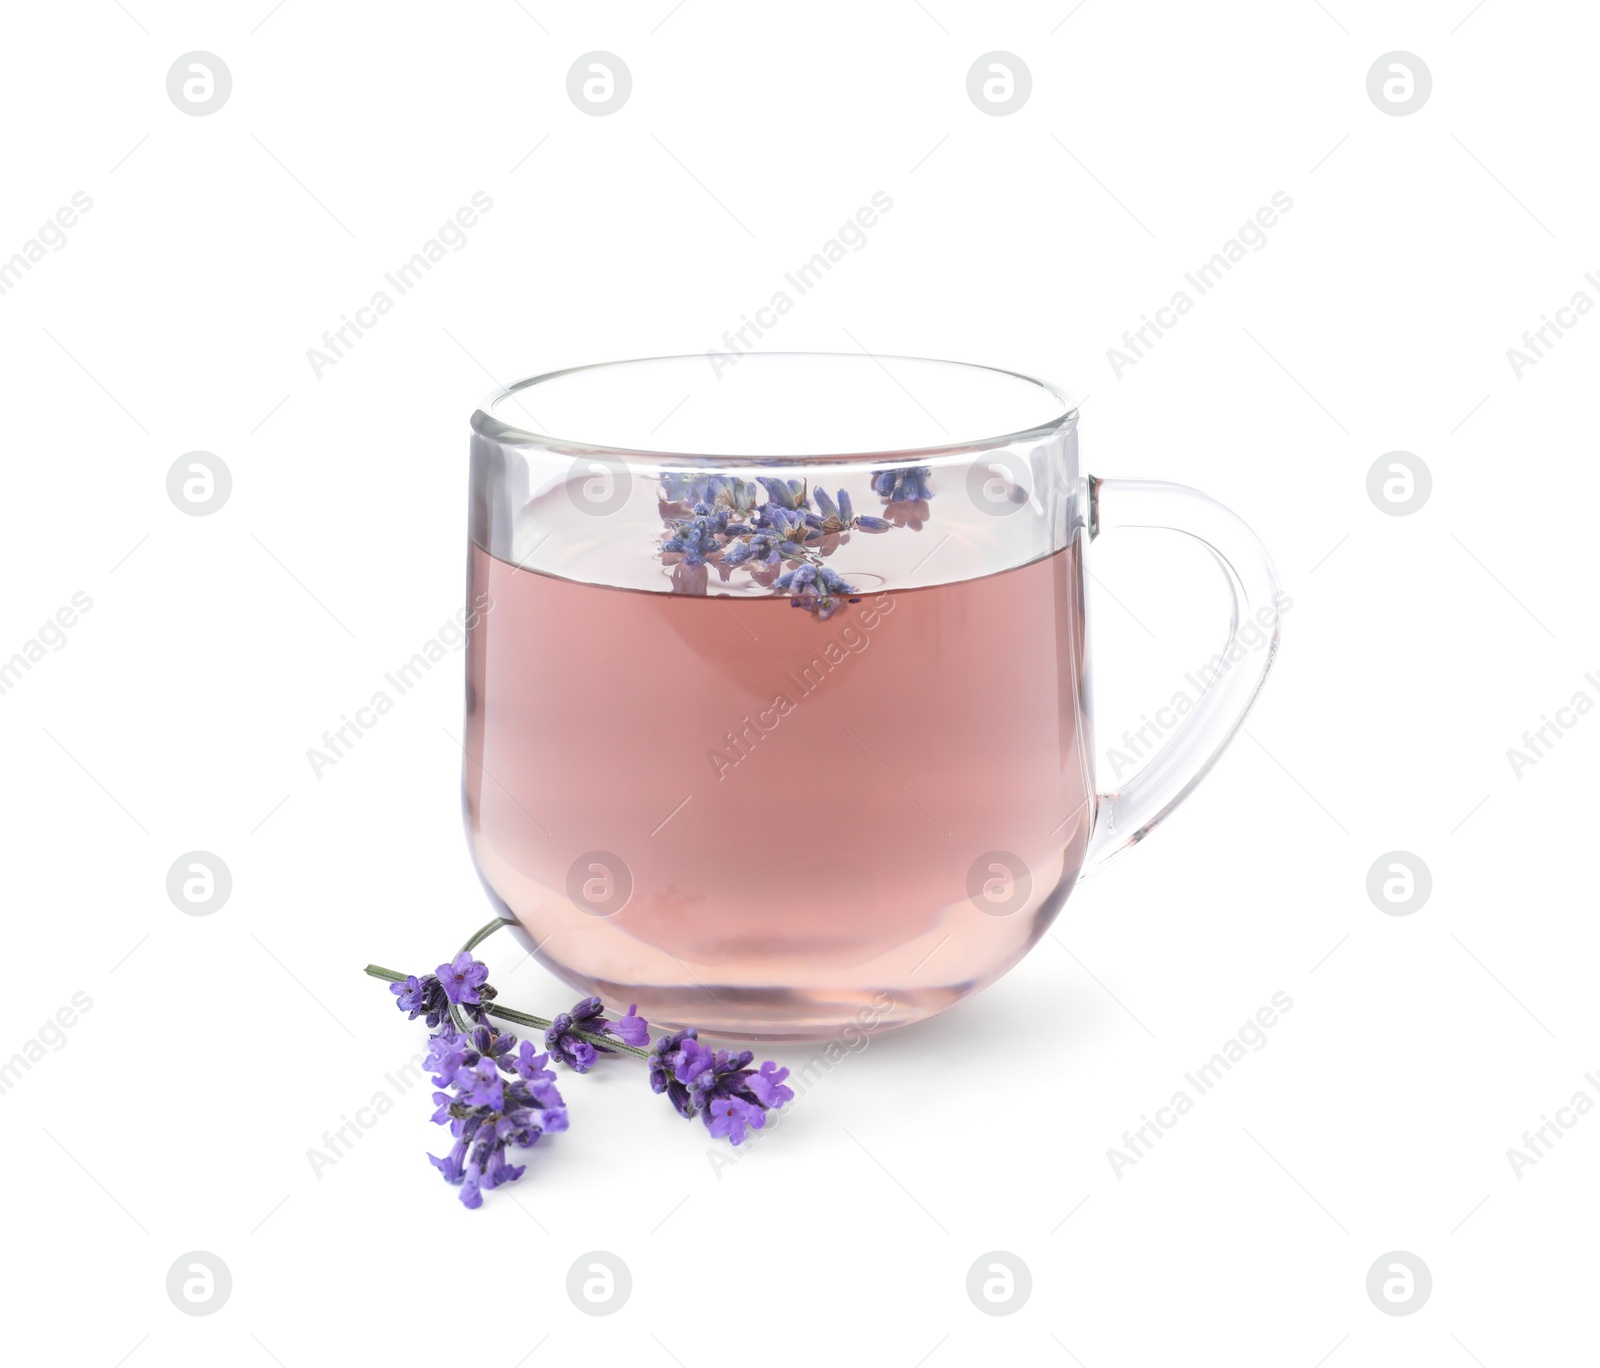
[788, 494]
[674, 488]
[694, 538]
[497, 1094]
[411, 992]
[531, 1067]
[447, 1053]
[690, 489]
[730, 1116]
[424, 997]
[763, 548]
[665, 1056]
[451, 1164]
[814, 587]
[566, 1048]
[586, 1015]
[840, 516]
[789, 526]
[479, 1085]
[726, 490]
[728, 1095]
[781, 540]
[554, 1116]
[540, 1083]
[495, 1046]
[766, 1084]
[631, 1029]
[903, 485]
[500, 1099]
[462, 979]
[816, 580]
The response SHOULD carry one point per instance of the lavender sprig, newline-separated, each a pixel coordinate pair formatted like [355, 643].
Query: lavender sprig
[783, 540]
[496, 1094]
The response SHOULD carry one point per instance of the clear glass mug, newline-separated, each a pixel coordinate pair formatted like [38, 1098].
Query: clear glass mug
[777, 713]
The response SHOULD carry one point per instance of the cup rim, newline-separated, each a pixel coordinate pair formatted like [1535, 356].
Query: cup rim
[487, 424]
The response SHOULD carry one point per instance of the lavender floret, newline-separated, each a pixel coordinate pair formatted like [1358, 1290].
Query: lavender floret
[814, 587]
[841, 516]
[422, 997]
[790, 494]
[587, 1016]
[631, 1028]
[904, 484]
[762, 548]
[696, 538]
[717, 490]
[721, 1088]
[461, 983]
[787, 524]
[664, 1057]
[462, 978]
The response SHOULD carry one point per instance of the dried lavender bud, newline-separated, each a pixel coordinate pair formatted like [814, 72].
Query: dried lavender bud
[903, 484]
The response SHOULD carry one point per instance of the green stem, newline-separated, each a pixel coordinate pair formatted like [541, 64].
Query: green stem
[510, 1014]
[483, 933]
[388, 975]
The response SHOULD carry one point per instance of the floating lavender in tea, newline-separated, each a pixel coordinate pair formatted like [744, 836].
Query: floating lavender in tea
[719, 521]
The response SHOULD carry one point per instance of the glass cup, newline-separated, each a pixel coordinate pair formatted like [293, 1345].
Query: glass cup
[777, 715]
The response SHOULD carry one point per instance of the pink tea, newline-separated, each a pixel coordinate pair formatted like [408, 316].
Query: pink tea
[748, 818]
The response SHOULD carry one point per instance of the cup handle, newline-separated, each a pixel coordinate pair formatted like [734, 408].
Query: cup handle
[1125, 817]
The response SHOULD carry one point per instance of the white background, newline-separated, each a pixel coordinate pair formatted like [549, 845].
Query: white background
[179, 1113]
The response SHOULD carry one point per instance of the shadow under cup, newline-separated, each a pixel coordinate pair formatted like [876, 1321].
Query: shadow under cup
[776, 711]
